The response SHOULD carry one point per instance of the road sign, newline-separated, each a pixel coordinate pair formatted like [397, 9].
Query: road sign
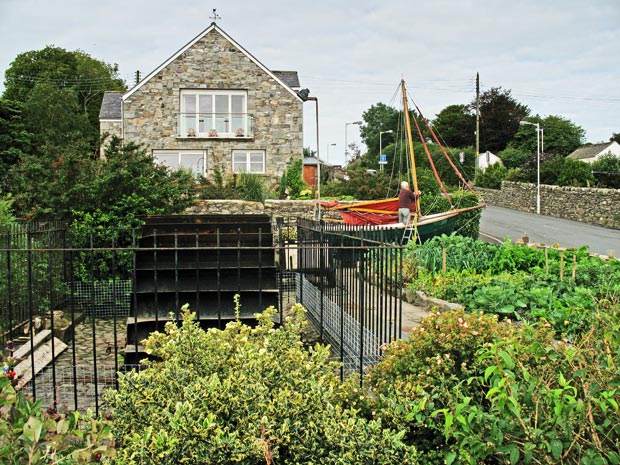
[382, 159]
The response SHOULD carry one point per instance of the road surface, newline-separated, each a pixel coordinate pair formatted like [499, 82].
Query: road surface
[498, 223]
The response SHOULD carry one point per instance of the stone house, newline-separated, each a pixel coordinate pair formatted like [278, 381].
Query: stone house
[212, 105]
[592, 152]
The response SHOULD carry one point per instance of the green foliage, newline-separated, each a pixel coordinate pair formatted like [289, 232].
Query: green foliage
[514, 157]
[6, 211]
[422, 374]
[472, 390]
[33, 437]
[456, 125]
[466, 254]
[53, 114]
[362, 186]
[15, 137]
[575, 173]
[294, 180]
[251, 187]
[561, 136]
[500, 116]
[72, 76]
[243, 395]
[607, 171]
[215, 186]
[492, 176]
[379, 117]
[516, 281]
[467, 223]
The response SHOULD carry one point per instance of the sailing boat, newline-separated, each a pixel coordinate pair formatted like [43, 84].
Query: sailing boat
[383, 214]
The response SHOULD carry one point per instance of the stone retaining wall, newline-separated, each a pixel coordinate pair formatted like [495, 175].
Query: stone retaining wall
[277, 208]
[587, 205]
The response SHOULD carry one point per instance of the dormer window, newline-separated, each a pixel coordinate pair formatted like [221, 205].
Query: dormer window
[214, 113]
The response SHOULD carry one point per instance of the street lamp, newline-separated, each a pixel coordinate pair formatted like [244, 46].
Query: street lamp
[537, 161]
[389, 131]
[328, 146]
[346, 148]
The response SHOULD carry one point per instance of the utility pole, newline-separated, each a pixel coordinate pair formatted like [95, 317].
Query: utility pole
[477, 124]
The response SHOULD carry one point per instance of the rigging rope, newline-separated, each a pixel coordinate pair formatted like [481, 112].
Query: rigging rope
[432, 163]
[456, 170]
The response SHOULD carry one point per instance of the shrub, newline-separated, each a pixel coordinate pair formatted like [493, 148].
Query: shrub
[472, 390]
[31, 436]
[492, 177]
[252, 187]
[244, 395]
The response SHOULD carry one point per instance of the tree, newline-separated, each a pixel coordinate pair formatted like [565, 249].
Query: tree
[615, 137]
[379, 117]
[575, 173]
[15, 139]
[65, 183]
[456, 126]
[54, 115]
[607, 170]
[500, 114]
[561, 136]
[514, 157]
[76, 72]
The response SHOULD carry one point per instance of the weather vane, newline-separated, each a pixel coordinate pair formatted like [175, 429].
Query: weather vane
[215, 16]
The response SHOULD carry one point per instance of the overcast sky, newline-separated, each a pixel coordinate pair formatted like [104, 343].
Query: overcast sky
[558, 57]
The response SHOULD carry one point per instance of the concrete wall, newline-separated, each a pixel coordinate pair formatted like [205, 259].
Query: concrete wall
[588, 205]
[151, 113]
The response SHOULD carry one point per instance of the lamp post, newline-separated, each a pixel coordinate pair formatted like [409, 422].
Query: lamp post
[328, 146]
[537, 161]
[389, 131]
[346, 147]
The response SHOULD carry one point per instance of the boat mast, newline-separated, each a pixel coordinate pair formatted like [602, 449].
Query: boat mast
[414, 175]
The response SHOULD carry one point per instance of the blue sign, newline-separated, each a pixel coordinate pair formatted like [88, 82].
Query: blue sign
[382, 159]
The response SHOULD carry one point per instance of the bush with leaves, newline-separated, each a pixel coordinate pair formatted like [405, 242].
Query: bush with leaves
[243, 395]
[492, 176]
[472, 390]
[29, 435]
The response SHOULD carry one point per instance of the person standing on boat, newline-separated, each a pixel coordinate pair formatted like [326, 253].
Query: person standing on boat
[406, 198]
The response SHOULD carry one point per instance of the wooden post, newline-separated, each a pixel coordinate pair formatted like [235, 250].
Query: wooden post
[562, 265]
[546, 260]
[574, 267]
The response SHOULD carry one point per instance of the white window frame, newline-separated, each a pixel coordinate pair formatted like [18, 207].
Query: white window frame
[225, 123]
[248, 162]
[159, 155]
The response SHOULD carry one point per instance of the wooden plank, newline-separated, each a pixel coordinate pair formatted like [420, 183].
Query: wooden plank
[24, 350]
[42, 358]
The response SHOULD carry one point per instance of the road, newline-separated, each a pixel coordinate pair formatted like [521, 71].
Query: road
[498, 223]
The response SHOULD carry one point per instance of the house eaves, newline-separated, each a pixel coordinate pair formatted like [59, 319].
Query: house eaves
[212, 27]
[589, 151]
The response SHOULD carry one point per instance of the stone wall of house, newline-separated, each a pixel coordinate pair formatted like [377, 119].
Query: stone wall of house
[152, 112]
[588, 205]
[112, 128]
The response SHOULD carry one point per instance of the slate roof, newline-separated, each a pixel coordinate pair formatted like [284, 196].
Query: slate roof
[589, 151]
[290, 78]
[111, 106]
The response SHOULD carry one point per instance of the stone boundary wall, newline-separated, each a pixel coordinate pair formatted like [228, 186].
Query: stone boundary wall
[277, 208]
[587, 205]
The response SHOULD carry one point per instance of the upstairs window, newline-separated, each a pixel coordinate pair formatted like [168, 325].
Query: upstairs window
[214, 113]
[248, 161]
